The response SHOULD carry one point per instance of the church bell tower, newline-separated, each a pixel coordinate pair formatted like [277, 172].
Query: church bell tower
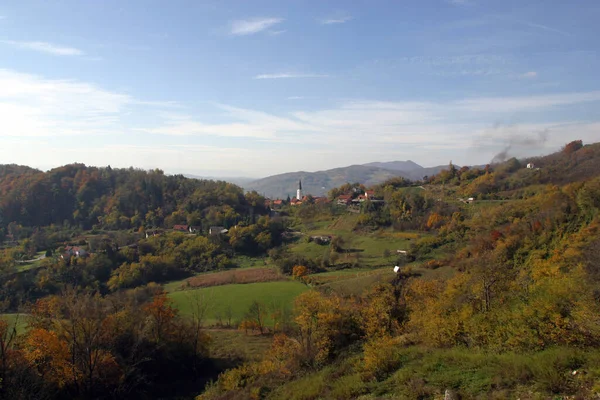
[299, 191]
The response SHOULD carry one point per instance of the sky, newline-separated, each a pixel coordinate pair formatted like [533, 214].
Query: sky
[256, 88]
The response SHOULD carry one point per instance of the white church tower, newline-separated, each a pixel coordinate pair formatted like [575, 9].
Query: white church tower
[299, 191]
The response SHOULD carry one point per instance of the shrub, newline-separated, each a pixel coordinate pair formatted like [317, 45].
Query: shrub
[380, 357]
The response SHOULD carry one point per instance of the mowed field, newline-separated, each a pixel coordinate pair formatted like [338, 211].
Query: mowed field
[242, 275]
[238, 298]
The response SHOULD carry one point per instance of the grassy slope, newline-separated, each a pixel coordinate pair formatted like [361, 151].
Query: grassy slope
[239, 297]
[418, 373]
[20, 319]
[369, 246]
[233, 344]
[32, 265]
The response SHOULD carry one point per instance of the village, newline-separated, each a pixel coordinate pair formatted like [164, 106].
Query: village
[355, 197]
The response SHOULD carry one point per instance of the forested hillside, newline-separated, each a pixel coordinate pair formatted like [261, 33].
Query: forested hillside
[499, 300]
[496, 295]
[107, 198]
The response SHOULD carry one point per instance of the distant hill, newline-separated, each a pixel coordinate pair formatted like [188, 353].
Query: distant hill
[396, 165]
[320, 182]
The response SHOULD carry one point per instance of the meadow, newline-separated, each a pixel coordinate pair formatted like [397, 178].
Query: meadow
[236, 299]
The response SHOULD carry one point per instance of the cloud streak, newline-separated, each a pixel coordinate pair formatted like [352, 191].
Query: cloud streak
[286, 75]
[461, 2]
[252, 26]
[529, 75]
[32, 107]
[44, 47]
[332, 21]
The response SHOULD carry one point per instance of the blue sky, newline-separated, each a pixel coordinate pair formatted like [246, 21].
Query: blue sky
[254, 88]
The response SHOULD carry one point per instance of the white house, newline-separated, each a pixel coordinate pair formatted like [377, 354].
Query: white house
[217, 230]
[530, 166]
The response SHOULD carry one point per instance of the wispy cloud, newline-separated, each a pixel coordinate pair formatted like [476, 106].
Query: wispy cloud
[529, 24]
[286, 75]
[450, 124]
[252, 26]
[452, 66]
[33, 106]
[545, 28]
[275, 33]
[461, 2]
[529, 75]
[361, 130]
[45, 47]
[331, 21]
[295, 98]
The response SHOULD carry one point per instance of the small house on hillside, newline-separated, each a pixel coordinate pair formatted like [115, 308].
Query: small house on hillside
[74, 251]
[181, 228]
[370, 194]
[530, 166]
[194, 229]
[344, 199]
[217, 230]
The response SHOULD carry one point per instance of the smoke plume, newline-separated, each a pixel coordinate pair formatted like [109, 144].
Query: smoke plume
[515, 139]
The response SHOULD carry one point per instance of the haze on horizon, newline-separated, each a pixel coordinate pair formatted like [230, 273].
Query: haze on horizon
[239, 88]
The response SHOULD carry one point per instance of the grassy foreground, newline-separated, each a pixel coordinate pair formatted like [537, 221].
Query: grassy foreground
[421, 373]
[239, 297]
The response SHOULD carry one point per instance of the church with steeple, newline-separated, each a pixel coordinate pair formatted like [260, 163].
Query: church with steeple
[299, 191]
[297, 200]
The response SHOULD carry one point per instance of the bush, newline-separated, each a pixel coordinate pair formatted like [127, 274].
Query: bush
[381, 357]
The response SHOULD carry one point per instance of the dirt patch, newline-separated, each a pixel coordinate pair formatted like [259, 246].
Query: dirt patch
[250, 275]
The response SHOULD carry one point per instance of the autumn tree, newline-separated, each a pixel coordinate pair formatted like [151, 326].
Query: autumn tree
[572, 147]
[300, 272]
[256, 314]
[162, 314]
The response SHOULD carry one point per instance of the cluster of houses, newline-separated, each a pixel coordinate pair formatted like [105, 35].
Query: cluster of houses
[73, 251]
[349, 199]
[342, 200]
[212, 231]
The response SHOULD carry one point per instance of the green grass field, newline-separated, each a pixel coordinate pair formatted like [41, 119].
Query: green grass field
[239, 298]
[19, 319]
[367, 248]
[21, 267]
[250, 262]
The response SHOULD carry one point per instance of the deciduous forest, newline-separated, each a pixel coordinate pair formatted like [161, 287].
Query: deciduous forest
[497, 294]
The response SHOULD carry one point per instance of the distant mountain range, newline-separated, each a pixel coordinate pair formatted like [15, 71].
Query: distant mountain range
[320, 182]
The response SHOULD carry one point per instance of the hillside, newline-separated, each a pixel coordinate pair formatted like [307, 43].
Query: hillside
[409, 169]
[236, 180]
[320, 182]
[495, 298]
[108, 198]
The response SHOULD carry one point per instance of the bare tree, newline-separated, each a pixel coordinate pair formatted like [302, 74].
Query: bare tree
[229, 314]
[256, 313]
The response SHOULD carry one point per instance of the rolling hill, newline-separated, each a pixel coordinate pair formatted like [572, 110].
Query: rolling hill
[320, 182]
